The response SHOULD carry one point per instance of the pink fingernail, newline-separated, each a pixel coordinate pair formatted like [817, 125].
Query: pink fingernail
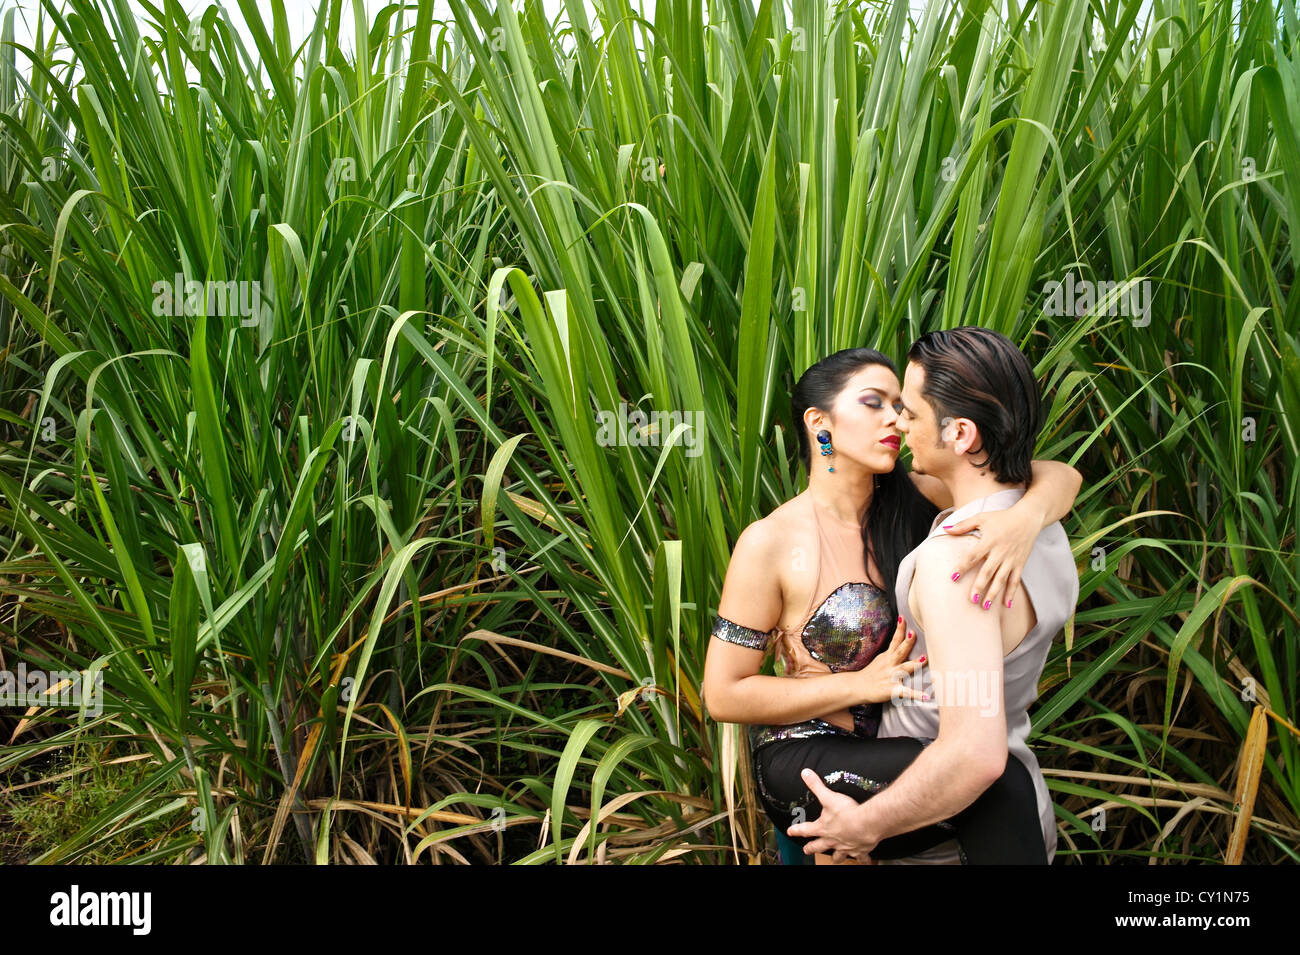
[946, 526]
[955, 576]
[987, 604]
[1008, 603]
[975, 599]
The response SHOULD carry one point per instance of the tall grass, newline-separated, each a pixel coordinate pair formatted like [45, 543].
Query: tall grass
[367, 578]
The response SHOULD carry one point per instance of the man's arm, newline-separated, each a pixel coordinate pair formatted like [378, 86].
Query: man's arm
[964, 646]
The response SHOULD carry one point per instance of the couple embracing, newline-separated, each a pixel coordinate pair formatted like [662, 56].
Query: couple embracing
[911, 611]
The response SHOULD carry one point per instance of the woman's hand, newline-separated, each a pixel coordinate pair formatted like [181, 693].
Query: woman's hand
[882, 679]
[1001, 551]
[879, 680]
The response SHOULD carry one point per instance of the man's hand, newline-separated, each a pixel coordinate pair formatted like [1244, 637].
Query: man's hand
[837, 830]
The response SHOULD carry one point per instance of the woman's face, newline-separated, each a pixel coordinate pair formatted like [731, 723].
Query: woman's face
[863, 422]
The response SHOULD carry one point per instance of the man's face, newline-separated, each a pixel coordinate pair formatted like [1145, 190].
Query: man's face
[918, 424]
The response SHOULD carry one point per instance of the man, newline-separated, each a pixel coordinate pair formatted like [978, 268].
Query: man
[971, 413]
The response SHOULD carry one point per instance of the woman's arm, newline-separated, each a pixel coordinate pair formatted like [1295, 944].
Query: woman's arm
[733, 689]
[1052, 490]
[1007, 537]
[935, 491]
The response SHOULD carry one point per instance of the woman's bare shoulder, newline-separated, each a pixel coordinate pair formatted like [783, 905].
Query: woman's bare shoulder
[782, 528]
[759, 575]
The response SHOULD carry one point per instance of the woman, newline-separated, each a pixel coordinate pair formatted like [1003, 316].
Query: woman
[814, 580]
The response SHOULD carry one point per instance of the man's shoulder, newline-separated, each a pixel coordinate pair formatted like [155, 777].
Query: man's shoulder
[1051, 577]
[940, 551]
[1053, 535]
[1052, 552]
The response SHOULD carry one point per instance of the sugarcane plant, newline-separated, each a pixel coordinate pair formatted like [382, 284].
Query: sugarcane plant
[381, 409]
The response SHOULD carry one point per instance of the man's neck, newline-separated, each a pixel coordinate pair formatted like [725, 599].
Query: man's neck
[968, 484]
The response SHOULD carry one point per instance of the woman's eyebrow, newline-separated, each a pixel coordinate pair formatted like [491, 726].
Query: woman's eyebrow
[898, 397]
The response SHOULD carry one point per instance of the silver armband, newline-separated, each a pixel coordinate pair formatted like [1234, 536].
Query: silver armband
[732, 632]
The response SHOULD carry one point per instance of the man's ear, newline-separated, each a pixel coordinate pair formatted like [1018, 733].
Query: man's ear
[967, 436]
[951, 431]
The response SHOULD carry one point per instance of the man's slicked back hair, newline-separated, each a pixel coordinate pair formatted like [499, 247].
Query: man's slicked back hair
[977, 373]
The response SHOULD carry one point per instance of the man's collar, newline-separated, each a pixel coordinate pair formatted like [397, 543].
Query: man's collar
[997, 501]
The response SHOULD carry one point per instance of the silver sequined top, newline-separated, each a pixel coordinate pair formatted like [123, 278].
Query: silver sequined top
[848, 628]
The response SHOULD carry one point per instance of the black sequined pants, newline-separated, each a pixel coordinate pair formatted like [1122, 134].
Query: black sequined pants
[1001, 827]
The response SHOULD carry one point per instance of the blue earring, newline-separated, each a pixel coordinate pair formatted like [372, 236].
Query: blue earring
[824, 439]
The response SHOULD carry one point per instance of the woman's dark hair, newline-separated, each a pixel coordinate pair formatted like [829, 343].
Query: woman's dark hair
[899, 516]
[977, 373]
